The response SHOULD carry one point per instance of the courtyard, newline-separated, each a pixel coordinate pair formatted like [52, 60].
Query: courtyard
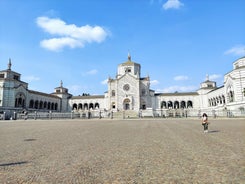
[122, 151]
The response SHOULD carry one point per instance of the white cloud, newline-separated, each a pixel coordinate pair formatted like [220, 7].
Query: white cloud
[154, 82]
[30, 78]
[214, 76]
[172, 89]
[69, 35]
[75, 89]
[57, 44]
[172, 4]
[181, 78]
[238, 50]
[104, 82]
[92, 72]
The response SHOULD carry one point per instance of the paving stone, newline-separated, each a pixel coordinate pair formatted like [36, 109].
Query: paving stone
[122, 151]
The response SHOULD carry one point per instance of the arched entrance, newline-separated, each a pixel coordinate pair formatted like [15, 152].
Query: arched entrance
[126, 104]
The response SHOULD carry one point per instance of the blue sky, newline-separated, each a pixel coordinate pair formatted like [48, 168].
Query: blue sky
[82, 42]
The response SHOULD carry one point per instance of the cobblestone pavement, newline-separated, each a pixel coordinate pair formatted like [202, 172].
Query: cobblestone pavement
[122, 151]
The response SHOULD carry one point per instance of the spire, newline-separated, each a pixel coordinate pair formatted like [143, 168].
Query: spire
[207, 77]
[129, 56]
[9, 64]
[61, 83]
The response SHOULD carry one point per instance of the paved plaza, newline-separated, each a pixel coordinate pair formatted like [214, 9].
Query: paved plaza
[122, 151]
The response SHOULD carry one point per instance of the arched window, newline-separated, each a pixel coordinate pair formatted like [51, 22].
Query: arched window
[223, 99]
[176, 105]
[52, 106]
[74, 106]
[49, 105]
[143, 105]
[20, 100]
[163, 105]
[41, 105]
[209, 102]
[170, 104]
[113, 93]
[80, 106]
[56, 106]
[231, 96]
[126, 104]
[91, 106]
[85, 106]
[36, 105]
[45, 105]
[182, 104]
[97, 106]
[113, 105]
[189, 104]
[31, 104]
[220, 100]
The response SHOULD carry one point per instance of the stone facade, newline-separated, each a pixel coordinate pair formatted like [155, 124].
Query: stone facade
[129, 92]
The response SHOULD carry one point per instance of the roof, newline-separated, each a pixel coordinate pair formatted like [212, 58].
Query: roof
[88, 97]
[177, 94]
[43, 94]
[129, 62]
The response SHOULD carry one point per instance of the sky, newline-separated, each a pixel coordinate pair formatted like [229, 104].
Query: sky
[82, 42]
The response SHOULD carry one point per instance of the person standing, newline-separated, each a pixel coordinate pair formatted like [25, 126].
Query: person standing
[205, 122]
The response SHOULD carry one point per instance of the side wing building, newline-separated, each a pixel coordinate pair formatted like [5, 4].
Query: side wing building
[129, 93]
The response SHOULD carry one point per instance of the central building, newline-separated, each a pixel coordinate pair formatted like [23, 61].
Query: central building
[129, 91]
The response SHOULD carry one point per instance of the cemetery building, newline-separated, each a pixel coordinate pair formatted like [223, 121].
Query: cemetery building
[128, 94]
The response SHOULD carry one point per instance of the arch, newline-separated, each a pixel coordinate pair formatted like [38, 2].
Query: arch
[183, 104]
[56, 106]
[163, 105]
[80, 106]
[41, 105]
[143, 104]
[170, 104]
[20, 100]
[113, 105]
[209, 102]
[91, 106]
[217, 101]
[52, 106]
[31, 104]
[97, 105]
[176, 105]
[126, 104]
[36, 104]
[49, 105]
[223, 99]
[85, 106]
[189, 104]
[214, 102]
[45, 105]
[230, 93]
[220, 100]
[74, 106]
[113, 93]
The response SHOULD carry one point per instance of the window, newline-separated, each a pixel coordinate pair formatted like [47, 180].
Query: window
[113, 105]
[16, 77]
[127, 70]
[2, 75]
[243, 91]
[113, 93]
[126, 87]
